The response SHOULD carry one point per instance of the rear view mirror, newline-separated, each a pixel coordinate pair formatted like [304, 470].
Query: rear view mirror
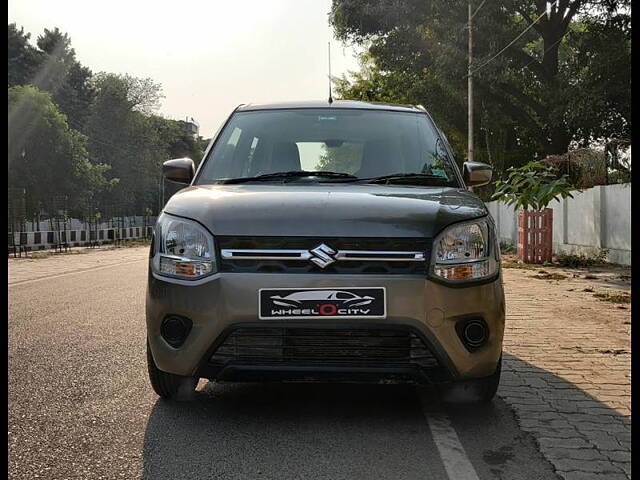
[333, 143]
[476, 174]
[179, 170]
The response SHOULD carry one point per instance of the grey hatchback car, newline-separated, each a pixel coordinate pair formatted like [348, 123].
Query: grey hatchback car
[326, 241]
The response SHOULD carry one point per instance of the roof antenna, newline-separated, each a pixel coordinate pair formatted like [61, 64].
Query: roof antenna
[330, 98]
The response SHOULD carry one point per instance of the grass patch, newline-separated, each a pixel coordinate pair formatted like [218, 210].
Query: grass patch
[138, 242]
[580, 261]
[549, 276]
[519, 265]
[38, 254]
[618, 297]
[507, 248]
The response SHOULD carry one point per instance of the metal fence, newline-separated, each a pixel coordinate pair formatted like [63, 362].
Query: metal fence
[55, 229]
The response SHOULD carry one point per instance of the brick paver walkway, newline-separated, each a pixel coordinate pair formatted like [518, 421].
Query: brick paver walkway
[567, 373]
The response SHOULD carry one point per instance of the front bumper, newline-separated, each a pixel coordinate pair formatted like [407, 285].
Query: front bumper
[228, 300]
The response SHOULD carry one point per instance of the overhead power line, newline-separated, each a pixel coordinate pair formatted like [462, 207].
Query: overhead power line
[477, 9]
[466, 25]
[512, 41]
[543, 53]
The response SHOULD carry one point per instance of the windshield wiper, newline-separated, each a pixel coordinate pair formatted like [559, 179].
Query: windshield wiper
[400, 177]
[283, 175]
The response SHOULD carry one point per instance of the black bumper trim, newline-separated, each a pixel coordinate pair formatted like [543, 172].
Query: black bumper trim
[244, 370]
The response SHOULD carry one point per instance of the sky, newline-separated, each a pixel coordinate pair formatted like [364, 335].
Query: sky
[209, 56]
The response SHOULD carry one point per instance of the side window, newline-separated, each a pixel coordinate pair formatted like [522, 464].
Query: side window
[448, 150]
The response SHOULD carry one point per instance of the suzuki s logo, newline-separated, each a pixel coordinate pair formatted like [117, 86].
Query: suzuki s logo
[322, 255]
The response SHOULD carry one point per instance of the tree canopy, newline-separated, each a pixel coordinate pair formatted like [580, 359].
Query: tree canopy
[94, 139]
[564, 81]
[47, 158]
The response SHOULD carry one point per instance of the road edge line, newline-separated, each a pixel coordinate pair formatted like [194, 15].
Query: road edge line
[84, 270]
[452, 453]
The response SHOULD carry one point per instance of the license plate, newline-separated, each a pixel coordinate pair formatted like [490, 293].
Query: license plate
[308, 303]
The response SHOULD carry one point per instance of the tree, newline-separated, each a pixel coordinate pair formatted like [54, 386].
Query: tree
[53, 68]
[545, 91]
[119, 137]
[46, 157]
[124, 133]
[177, 142]
[96, 138]
[22, 58]
[64, 77]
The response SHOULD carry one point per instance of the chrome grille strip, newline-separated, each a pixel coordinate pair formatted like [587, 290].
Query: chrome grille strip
[343, 255]
[262, 254]
[381, 256]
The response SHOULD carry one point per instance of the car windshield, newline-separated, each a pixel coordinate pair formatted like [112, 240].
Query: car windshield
[354, 145]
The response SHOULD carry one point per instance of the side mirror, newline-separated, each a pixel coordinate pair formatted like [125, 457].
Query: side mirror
[476, 174]
[179, 170]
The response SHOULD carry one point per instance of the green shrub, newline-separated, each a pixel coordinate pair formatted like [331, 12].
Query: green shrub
[580, 260]
[532, 186]
[507, 248]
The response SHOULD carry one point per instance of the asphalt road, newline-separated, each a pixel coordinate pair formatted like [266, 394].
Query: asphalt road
[81, 407]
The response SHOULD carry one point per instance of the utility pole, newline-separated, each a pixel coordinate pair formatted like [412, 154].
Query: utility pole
[470, 89]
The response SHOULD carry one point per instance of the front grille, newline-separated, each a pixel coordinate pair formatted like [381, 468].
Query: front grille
[370, 347]
[393, 246]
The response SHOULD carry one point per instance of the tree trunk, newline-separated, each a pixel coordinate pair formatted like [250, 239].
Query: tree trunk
[558, 137]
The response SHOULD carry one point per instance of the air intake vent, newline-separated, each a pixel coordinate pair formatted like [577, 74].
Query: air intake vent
[360, 347]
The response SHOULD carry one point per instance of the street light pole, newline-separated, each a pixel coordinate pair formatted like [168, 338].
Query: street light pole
[470, 89]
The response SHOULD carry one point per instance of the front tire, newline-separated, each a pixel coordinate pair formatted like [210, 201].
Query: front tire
[480, 390]
[169, 385]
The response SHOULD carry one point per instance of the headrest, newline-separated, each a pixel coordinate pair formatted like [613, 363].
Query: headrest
[285, 157]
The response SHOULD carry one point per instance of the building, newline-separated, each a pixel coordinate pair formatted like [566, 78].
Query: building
[191, 125]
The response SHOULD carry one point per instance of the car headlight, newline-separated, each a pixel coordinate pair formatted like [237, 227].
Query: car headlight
[466, 251]
[185, 249]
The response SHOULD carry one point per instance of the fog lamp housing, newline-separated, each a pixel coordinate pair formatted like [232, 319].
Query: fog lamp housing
[175, 329]
[473, 332]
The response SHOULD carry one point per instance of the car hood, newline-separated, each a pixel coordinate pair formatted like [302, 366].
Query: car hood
[325, 210]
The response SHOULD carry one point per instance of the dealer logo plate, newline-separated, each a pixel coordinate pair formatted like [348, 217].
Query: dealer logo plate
[311, 303]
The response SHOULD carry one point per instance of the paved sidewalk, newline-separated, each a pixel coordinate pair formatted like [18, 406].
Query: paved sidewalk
[567, 371]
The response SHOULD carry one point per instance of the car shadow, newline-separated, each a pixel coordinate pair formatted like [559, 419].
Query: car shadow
[344, 431]
[285, 431]
[521, 379]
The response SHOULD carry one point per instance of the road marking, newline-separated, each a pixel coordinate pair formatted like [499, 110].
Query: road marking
[452, 453]
[84, 270]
